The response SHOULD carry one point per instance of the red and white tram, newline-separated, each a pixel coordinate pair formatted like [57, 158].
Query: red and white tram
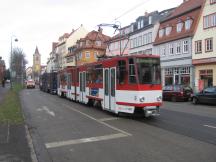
[123, 84]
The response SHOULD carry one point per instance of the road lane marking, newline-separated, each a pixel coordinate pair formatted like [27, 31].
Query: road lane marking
[47, 110]
[84, 140]
[107, 119]
[210, 126]
[101, 122]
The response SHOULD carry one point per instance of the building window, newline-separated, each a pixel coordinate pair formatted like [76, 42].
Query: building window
[209, 45]
[131, 43]
[87, 54]
[179, 27]
[212, 1]
[171, 49]
[135, 42]
[98, 43]
[95, 54]
[150, 19]
[80, 55]
[188, 24]
[144, 39]
[161, 33]
[198, 46]
[138, 26]
[185, 46]
[210, 21]
[139, 40]
[163, 51]
[168, 30]
[142, 24]
[178, 48]
[150, 37]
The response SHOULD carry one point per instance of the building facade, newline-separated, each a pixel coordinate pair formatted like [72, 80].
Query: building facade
[74, 36]
[61, 51]
[174, 43]
[90, 48]
[29, 73]
[144, 31]
[36, 65]
[119, 44]
[2, 69]
[204, 47]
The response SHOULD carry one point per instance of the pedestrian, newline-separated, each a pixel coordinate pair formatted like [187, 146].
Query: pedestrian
[3, 82]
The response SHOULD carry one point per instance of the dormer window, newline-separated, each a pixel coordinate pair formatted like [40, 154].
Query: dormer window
[179, 27]
[150, 19]
[141, 24]
[161, 33]
[138, 26]
[168, 30]
[98, 43]
[188, 23]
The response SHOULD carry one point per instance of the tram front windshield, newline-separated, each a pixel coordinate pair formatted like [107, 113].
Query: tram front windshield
[149, 71]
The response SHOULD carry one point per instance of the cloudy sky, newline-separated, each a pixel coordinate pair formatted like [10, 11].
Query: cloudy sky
[41, 22]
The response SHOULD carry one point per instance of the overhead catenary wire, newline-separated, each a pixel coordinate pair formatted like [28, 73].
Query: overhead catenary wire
[130, 10]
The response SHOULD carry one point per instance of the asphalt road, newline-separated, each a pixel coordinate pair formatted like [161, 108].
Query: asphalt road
[64, 131]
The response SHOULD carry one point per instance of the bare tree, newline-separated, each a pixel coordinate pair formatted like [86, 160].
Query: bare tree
[18, 65]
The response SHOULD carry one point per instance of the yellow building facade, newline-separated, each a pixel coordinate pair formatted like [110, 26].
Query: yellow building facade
[89, 48]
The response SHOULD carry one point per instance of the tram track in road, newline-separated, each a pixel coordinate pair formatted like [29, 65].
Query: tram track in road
[194, 126]
[75, 129]
[190, 125]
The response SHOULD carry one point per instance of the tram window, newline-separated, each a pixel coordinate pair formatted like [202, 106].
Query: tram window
[87, 78]
[112, 82]
[121, 71]
[132, 74]
[77, 74]
[149, 70]
[95, 74]
[69, 81]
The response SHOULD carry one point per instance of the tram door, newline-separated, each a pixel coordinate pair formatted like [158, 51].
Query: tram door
[82, 86]
[109, 88]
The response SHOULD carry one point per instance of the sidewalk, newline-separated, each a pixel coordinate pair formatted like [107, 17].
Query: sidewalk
[13, 142]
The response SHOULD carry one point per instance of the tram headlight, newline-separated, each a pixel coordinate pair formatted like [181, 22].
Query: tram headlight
[159, 98]
[142, 99]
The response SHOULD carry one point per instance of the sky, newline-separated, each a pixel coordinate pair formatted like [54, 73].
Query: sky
[41, 22]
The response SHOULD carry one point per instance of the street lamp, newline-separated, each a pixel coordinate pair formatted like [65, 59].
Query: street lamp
[11, 53]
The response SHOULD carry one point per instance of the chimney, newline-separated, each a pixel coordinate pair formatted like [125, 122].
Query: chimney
[100, 30]
[146, 13]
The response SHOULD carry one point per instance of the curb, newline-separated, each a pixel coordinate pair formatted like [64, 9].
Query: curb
[28, 135]
[30, 143]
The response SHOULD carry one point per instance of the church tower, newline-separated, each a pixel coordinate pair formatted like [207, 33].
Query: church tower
[36, 65]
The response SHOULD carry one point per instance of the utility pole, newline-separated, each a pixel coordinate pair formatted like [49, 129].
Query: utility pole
[11, 57]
